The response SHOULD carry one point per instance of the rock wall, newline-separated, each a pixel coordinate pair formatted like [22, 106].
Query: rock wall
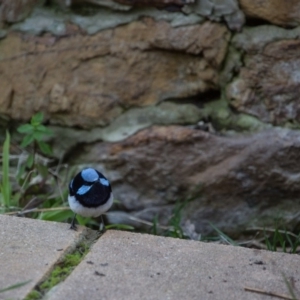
[187, 100]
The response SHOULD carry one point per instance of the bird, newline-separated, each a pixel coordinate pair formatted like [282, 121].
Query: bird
[90, 195]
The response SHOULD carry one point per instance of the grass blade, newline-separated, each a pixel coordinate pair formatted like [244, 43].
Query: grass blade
[5, 187]
[14, 286]
[119, 227]
[289, 286]
[225, 237]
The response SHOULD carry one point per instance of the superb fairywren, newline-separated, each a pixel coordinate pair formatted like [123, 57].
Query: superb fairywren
[90, 195]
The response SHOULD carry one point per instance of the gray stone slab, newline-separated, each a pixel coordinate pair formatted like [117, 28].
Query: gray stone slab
[124, 265]
[29, 249]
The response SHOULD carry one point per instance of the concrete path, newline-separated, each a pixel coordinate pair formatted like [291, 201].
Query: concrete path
[123, 265]
[29, 249]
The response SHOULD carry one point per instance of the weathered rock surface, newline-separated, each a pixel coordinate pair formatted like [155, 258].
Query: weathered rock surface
[66, 139]
[268, 82]
[125, 125]
[279, 12]
[214, 10]
[125, 3]
[89, 80]
[171, 4]
[104, 74]
[234, 182]
[55, 22]
[15, 10]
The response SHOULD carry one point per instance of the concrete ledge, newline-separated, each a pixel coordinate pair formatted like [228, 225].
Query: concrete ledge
[29, 249]
[123, 265]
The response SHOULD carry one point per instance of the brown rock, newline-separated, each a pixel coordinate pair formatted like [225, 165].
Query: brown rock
[12, 11]
[279, 12]
[88, 80]
[235, 182]
[268, 83]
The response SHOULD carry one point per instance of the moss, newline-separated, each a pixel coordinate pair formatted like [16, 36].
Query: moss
[292, 124]
[60, 272]
[220, 113]
[33, 295]
[247, 122]
[224, 118]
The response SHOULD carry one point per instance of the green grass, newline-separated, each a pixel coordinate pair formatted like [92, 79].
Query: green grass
[282, 240]
[33, 295]
[174, 228]
[223, 236]
[5, 188]
[290, 287]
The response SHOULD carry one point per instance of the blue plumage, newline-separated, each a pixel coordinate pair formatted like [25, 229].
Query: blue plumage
[83, 189]
[90, 175]
[90, 194]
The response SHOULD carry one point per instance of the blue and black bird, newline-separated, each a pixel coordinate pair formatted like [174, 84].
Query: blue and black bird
[90, 195]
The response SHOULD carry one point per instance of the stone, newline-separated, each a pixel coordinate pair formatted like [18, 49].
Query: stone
[12, 11]
[171, 5]
[266, 86]
[214, 10]
[88, 81]
[109, 77]
[224, 119]
[233, 181]
[106, 18]
[136, 119]
[3, 34]
[57, 22]
[43, 20]
[277, 12]
[254, 39]
[124, 126]
[217, 10]
[155, 2]
[106, 3]
[124, 4]
[187, 10]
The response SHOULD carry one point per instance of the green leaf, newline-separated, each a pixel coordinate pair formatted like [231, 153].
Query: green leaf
[45, 148]
[6, 187]
[37, 119]
[26, 128]
[38, 135]
[154, 226]
[20, 174]
[43, 170]
[15, 286]
[27, 140]
[119, 226]
[16, 199]
[57, 216]
[30, 160]
[43, 129]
